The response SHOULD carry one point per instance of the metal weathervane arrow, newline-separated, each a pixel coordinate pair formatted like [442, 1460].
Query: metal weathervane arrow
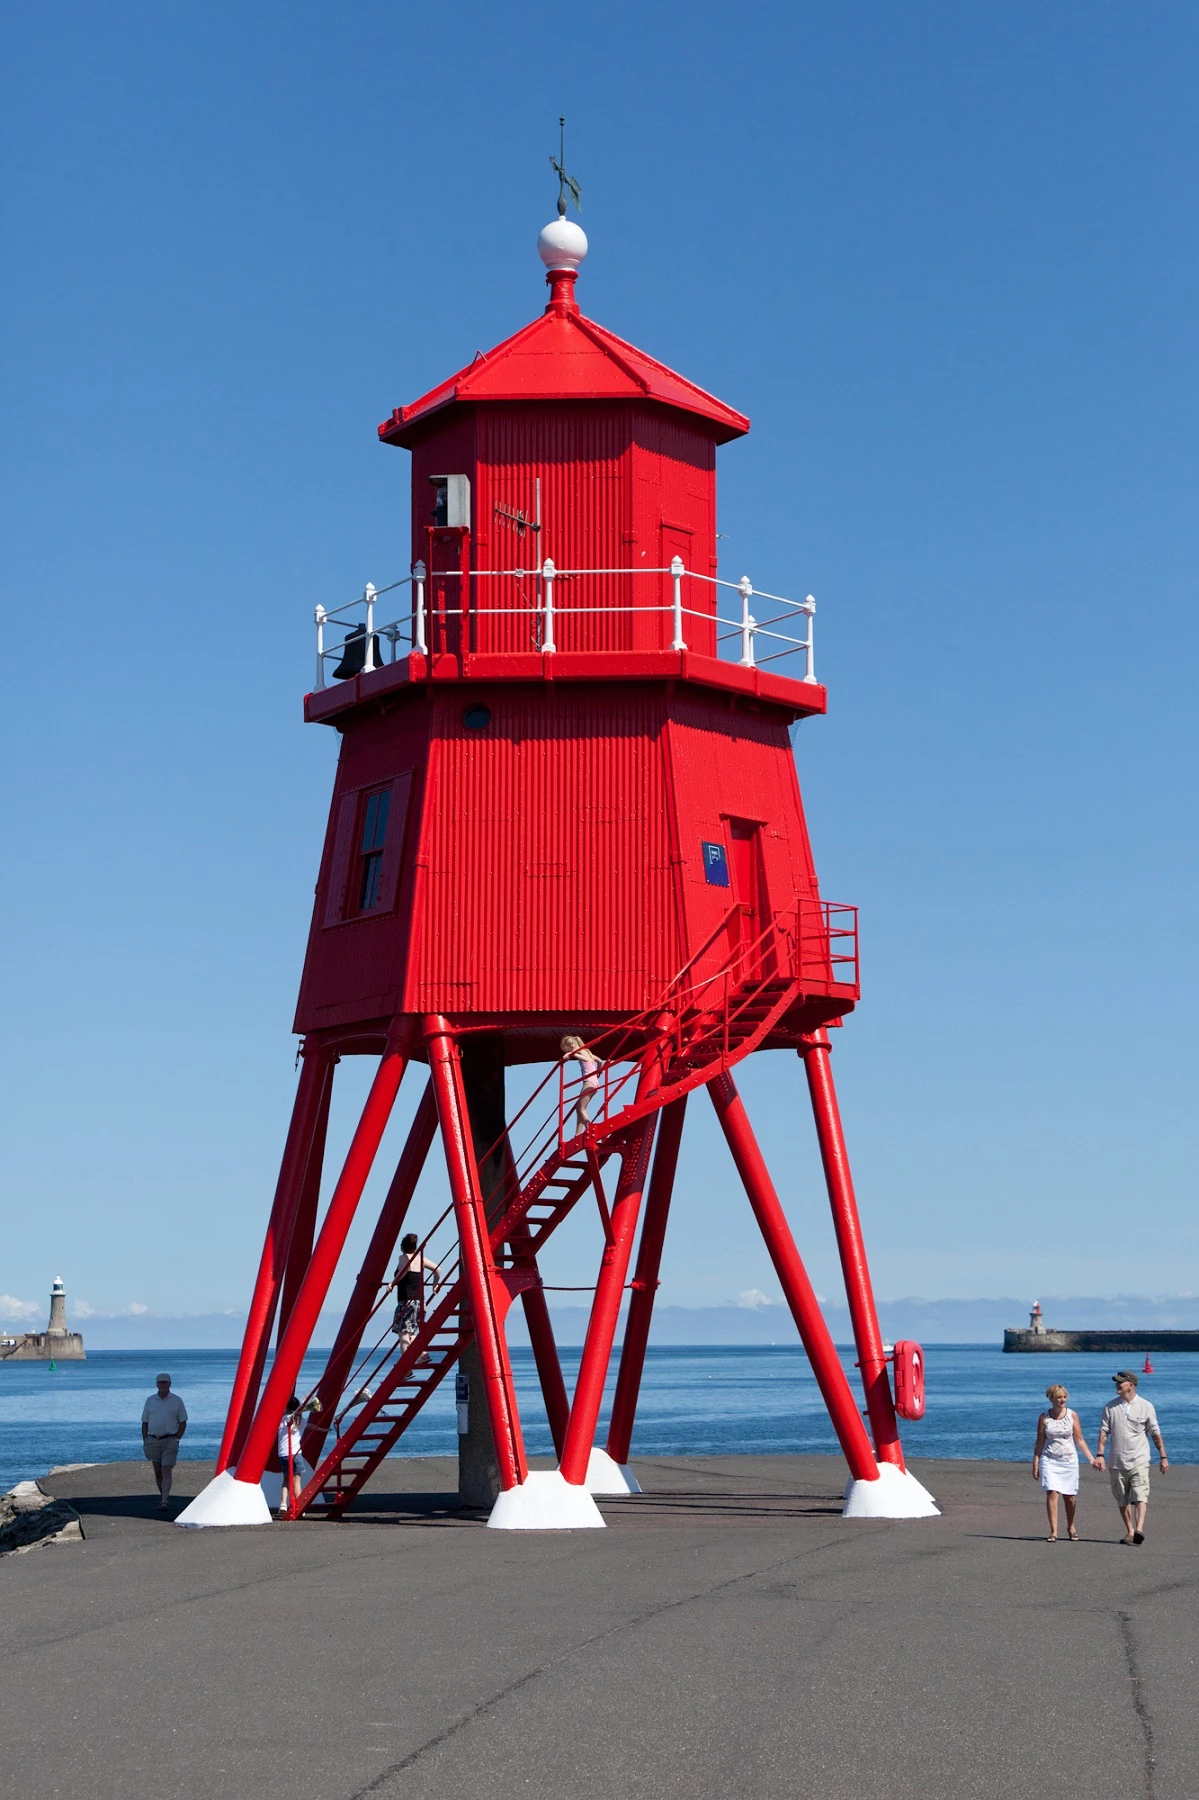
[566, 183]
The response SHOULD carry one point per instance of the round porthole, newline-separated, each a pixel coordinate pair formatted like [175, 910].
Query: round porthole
[477, 718]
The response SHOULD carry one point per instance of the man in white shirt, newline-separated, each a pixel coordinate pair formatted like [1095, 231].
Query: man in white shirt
[164, 1421]
[1130, 1422]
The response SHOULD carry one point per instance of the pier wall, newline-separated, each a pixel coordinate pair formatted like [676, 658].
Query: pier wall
[40, 1346]
[1114, 1343]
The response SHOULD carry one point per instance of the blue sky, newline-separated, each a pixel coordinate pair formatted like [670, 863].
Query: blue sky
[943, 256]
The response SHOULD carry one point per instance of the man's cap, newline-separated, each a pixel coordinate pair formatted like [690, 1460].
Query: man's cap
[1125, 1375]
[162, 1378]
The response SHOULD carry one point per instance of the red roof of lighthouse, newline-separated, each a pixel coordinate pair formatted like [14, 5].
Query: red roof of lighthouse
[564, 356]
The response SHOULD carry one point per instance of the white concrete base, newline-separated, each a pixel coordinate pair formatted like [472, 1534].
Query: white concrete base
[272, 1486]
[607, 1477]
[895, 1495]
[227, 1501]
[545, 1501]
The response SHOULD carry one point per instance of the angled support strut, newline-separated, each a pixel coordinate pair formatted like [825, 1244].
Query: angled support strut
[645, 1281]
[793, 1279]
[309, 1110]
[323, 1264]
[852, 1249]
[373, 1272]
[614, 1266]
[478, 1265]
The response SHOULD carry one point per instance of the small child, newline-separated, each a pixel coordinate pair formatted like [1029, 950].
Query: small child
[574, 1049]
[291, 1428]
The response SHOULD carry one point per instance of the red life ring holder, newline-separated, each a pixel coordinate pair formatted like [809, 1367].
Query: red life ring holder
[909, 1379]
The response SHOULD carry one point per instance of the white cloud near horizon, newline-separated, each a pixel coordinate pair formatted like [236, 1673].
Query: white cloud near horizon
[754, 1300]
[12, 1308]
[81, 1309]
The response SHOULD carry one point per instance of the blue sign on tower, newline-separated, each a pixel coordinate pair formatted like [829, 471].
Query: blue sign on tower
[716, 865]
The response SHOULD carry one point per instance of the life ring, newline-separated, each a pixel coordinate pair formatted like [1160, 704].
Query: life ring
[909, 1379]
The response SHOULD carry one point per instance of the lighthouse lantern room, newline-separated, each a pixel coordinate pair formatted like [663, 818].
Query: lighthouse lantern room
[566, 831]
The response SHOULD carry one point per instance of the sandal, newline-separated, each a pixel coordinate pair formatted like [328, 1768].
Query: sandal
[1052, 1538]
[1072, 1535]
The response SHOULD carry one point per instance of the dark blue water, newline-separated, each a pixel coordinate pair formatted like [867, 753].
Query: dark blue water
[694, 1402]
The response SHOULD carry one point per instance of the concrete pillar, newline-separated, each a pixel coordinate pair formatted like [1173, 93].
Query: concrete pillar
[483, 1080]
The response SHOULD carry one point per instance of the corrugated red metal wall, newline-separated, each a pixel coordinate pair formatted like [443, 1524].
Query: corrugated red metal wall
[449, 449]
[729, 769]
[580, 455]
[552, 862]
[547, 879]
[355, 966]
[673, 494]
[622, 487]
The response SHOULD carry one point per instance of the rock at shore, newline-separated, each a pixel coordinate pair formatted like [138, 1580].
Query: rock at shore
[30, 1518]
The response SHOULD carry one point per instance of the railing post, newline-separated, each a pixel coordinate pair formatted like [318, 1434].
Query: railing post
[678, 570]
[320, 648]
[368, 595]
[748, 623]
[418, 637]
[809, 606]
[548, 645]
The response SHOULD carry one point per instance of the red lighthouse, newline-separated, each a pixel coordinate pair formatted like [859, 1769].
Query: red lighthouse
[566, 831]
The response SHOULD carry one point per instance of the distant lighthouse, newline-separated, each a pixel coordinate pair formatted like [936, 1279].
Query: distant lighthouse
[58, 1343]
[58, 1310]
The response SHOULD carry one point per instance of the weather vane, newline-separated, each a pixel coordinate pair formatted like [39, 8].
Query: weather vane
[565, 181]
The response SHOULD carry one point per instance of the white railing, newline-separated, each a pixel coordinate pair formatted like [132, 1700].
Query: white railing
[366, 638]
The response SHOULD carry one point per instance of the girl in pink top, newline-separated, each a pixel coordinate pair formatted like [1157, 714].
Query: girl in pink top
[575, 1050]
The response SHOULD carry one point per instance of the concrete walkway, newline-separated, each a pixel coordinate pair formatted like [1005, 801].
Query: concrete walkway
[728, 1635]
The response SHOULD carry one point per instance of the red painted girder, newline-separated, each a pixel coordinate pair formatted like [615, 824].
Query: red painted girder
[435, 1325]
[763, 1003]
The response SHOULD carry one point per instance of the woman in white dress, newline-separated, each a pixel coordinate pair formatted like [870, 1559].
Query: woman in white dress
[1055, 1458]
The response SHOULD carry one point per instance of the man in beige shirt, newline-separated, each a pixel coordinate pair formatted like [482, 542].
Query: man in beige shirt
[1130, 1422]
[164, 1421]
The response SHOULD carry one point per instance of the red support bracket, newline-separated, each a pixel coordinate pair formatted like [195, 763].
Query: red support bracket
[601, 1199]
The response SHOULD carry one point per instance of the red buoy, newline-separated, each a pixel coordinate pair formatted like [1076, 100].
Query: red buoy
[1147, 1369]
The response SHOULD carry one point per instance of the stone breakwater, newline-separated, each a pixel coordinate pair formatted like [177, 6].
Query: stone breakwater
[29, 1518]
[1112, 1343]
[43, 1346]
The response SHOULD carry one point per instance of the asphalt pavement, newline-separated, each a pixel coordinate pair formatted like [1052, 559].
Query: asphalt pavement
[728, 1634]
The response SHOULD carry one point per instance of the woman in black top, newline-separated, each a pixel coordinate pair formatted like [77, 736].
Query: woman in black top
[409, 1284]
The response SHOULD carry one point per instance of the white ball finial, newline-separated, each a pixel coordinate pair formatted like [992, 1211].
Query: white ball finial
[562, 245]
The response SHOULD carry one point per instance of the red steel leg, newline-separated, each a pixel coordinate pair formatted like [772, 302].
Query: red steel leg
[537, 1318]
[866, 1333]
[316, 1076]
[373, 1271]
[299, 1251]
[793, 1278]
[478, 1266]
[326, 1253]
[645, 1281]
[605, 1308]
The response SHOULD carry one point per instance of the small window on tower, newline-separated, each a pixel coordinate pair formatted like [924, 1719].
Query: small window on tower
[370, 848]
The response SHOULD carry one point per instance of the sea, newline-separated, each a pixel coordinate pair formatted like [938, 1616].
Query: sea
[695, 1401]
